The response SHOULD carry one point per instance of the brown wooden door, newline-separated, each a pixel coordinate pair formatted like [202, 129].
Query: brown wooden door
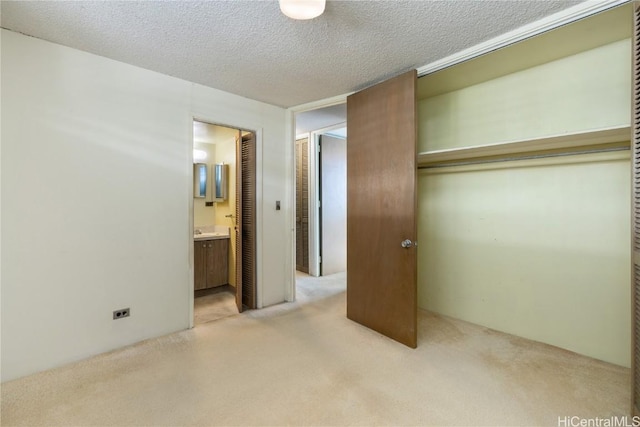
[381, 208]
[302, 205]
[635, 274]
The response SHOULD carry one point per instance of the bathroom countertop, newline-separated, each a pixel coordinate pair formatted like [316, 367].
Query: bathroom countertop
[211, 232]
[210, 236]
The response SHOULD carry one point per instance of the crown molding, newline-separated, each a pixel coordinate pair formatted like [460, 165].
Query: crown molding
[548, 23]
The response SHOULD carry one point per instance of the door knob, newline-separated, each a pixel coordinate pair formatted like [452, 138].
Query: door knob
[406, 243]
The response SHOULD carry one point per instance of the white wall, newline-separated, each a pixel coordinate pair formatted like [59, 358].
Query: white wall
[96, 196]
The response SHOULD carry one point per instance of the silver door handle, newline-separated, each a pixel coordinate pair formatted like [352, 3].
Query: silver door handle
[406, 243]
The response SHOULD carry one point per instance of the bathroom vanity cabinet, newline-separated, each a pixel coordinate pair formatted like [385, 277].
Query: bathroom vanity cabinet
[211, 266]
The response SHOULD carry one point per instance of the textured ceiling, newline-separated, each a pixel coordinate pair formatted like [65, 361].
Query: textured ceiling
[249, 48]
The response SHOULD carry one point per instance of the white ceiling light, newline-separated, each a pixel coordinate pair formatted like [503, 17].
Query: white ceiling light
[199, 155]
[302, 9]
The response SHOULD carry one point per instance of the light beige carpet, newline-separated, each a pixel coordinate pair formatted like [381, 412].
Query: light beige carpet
[305, 363]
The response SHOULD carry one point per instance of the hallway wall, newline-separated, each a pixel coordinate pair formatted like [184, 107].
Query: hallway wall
[334, 204]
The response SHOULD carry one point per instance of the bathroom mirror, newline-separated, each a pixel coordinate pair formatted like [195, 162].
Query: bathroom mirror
[220, 182]
[199, 180]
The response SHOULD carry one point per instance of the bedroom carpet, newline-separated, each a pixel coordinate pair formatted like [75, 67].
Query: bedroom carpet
[305, 363]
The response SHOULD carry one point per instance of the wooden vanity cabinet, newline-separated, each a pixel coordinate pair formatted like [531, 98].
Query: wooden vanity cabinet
[211, 266]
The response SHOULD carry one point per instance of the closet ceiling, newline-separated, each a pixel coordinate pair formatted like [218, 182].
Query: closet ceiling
[251, 49]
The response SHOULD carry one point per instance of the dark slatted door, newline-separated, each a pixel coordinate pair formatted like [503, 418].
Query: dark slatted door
[635, 286]
[238, 222]
[302, 205]
[248, 219]
[381, 208]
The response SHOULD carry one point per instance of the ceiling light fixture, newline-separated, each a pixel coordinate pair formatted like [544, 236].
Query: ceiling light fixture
[199, 155]
[302, 9]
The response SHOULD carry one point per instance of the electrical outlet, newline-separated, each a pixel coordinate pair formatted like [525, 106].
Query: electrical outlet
[119, 314]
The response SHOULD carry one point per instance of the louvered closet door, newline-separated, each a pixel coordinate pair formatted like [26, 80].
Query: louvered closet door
[248, 219]
[635, 287]
[302, 205]
[238, 222]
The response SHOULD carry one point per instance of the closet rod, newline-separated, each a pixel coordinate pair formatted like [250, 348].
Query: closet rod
[531, 157]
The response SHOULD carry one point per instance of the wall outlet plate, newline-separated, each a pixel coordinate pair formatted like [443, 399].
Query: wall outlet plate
[123, 312]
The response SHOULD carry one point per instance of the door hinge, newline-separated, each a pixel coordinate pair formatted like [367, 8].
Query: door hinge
[318, 148]
[320, 259]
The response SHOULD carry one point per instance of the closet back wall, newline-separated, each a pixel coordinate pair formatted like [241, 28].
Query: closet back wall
[537, 248]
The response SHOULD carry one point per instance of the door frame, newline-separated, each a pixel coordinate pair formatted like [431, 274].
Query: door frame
[258, 132]
[291, 122]
[315, 235]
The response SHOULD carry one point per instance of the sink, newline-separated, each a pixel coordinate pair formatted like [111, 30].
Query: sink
[210, 232]
[210, 235]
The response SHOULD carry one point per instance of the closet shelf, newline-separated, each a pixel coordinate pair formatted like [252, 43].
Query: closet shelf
[567, 142]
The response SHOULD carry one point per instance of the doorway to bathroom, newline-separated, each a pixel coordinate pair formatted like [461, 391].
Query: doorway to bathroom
[224, 243]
